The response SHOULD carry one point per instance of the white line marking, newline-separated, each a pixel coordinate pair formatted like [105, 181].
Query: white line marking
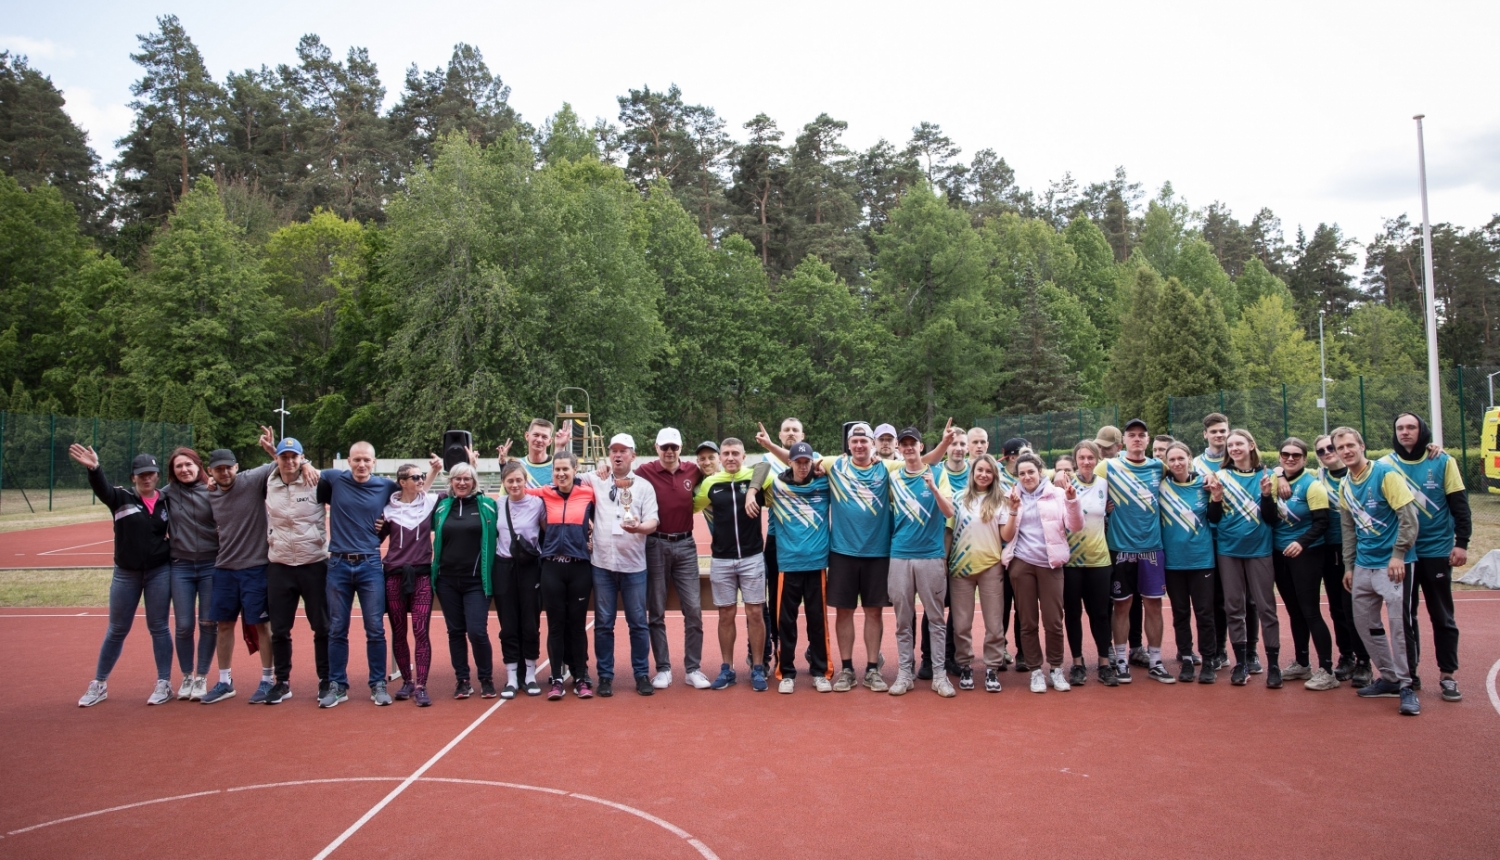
[1490, 684]
[314, 782]
[111, 809]
[64, 549]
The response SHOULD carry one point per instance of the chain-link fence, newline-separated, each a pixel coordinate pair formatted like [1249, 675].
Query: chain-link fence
[1050, 433]
[36, 473]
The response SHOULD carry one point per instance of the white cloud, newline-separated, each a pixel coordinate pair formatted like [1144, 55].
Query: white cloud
[34, 48]
[104, 122]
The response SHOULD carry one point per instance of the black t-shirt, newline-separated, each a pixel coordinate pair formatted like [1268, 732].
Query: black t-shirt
[463, 533]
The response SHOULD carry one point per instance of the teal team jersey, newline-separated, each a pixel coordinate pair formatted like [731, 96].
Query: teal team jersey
[861, 508]
[1295, 513]
[777, 467]
[1335, 534]
[1430, 482]
[1186, 539]
[801, 513]
[1135, 524]
[538, 475]
[1371, 500]
[1242, 533]
[1207, 463]
[917, 522]
[957, 481]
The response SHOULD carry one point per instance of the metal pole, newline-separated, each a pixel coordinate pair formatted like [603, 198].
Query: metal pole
[95, 446]
[1286, 428]
[51, 458]
[284, 414]
[1463, 425]
[1491, 379]
[1049, 434]
[1169, 416]
[1322, 373]
[2, 453]
[1434, 395]
[1362, 430]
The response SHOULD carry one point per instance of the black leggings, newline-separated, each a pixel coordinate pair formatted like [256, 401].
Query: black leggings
[1087, 589]
[518, 608]
[1304, 576]
[566, 586]
[466, 611]
[1192, 593]
[1341, 605]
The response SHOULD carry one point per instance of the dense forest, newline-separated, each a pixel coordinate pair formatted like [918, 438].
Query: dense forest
[446, 263]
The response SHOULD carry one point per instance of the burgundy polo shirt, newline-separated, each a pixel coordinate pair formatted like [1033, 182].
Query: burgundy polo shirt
[674, 494]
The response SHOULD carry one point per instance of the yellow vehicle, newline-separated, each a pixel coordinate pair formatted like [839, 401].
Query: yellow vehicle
[1489, 444]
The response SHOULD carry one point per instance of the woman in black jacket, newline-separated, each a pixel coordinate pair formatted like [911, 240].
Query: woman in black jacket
[142, 566]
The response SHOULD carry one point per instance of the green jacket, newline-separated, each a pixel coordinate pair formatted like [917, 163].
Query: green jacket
[489, 514]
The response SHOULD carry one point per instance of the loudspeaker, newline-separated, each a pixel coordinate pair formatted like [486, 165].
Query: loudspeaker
[454, 443]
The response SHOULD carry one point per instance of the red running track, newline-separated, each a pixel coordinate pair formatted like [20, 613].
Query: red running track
[1141, 771]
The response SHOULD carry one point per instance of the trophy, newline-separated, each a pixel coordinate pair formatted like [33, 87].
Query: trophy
[624, 485]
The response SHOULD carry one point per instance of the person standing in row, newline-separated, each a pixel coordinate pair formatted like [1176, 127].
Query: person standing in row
[624, 514]
[540, 435]
[1010, 450]
[142, 569]
[1354, 662]
[1213, 458]
[195, 543]
[1299, 534]
[975, 565]
[672, 559]
[736, 566]
[239, 508]
[356, 498]
[920, 505]
[1442, 544]
[799, 502]
[463, 557]
[1380, 525]
[1035, 525]
[1189, 547]
[567, 575]
[1133, 530]
[956, 471]
[1244, 507]
[297, 567]
[1086, 578]
[516, 581]
[406, 526]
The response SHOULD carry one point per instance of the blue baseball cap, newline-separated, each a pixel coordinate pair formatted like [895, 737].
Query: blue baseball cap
[289, 444]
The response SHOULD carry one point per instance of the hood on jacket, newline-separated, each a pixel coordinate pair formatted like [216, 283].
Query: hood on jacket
[1424, 438]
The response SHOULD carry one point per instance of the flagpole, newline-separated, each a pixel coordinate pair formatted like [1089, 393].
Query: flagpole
[1434, 393]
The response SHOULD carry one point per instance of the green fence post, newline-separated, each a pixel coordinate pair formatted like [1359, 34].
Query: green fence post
[1286, 428]
[1362, 430]
[1221, 400]
[2, 452]
[163, 448]
[1021, 419]
[1169, 416]
[1049, 434]
[1117, 415]
[1463, 431]
[95, 445]
[51, 458]
[1080, 424]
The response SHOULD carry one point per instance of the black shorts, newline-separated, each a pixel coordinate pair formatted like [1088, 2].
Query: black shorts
[854, 581]
[1138, 574]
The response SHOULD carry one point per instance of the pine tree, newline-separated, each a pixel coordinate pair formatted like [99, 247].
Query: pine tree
[40, 144]
[1190, 350]
[1128, 381]
[1040, 379]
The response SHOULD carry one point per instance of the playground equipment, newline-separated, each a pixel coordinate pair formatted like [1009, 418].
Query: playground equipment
[586, 439]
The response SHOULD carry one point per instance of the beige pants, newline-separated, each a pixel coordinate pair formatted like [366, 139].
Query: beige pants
[990, 583]
[1042, 586]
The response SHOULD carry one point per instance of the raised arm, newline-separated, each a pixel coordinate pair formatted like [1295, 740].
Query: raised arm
[937, 454]
[765, 441]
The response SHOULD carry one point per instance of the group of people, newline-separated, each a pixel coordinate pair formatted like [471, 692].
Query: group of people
[1113, 527]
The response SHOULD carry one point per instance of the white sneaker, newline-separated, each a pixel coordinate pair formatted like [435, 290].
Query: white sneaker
[822, 684]
[698, 680]
[97, 692]
[1060, 681]
[787, 685]
[162, 694]
[200, 687]
[1038, 681]
[941, 685]
[185, 691]
[662, 680]
[902, 686]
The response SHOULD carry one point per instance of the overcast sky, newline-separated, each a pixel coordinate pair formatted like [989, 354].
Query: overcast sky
[1302, 107]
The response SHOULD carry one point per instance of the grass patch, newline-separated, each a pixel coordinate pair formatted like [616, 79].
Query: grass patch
[42, 587]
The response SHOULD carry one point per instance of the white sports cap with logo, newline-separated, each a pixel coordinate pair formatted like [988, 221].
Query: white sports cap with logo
[669, 436]
[624, 439]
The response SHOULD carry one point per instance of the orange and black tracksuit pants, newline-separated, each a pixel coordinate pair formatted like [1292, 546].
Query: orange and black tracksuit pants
[803, 588]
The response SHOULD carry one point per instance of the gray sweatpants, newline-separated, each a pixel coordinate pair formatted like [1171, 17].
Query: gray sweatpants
[677, 562]
[927, 578]
[1254, 577]
[1386, 643]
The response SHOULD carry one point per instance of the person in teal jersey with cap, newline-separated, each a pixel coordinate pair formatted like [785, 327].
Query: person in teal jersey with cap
[1379, 523]
[1299, 540]
[799, 502]
[1189, 546]
[1244, 507]
[920, 506]
[1442, 544]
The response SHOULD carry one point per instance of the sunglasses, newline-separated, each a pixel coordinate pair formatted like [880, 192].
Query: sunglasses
[417, 478]
[1292, 455]
[1327, 450]
[670, 447]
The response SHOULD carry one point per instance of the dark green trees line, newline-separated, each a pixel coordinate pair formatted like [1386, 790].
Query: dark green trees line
[444, 263]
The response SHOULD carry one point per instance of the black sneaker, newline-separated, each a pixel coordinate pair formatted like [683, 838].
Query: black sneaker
[924, 671]
[322, 687]
[463, 689]
[1255, 667]
[1186, 674]
[487, 689]
[1160, 673]
[1273, 677]
[1207, 675]
[1219, 661]
[1362, 674]
[606, 688]
[965, 678]
[1122, 673]
[1450, 690]
[279, 691]
[643, 685]
[1107, 675]
[1078, 675]
[1345, 668]
[1240, 675]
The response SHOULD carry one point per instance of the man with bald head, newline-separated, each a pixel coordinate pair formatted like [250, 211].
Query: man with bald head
[356, 498]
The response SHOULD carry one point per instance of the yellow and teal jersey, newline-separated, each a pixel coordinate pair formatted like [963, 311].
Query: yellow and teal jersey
[1242, 533]
[976, 543]
[801, 514]
[1135, 523]
[538, 475]
[1187, 541]
[1372, 500]
[1089, 547]
[916, 520]
[1335, 534]
[1206, 462]
[1308, 495]
[861, 508]
[1430, 482]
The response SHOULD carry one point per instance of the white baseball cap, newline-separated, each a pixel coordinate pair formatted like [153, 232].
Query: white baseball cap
[622, 439]
[669, 436]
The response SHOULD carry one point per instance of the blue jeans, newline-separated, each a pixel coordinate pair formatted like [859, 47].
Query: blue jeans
[125, 592]
[612, 587]
[345, 580]
[192, 586]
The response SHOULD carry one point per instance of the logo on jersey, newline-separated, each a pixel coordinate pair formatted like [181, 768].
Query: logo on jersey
[849, 488]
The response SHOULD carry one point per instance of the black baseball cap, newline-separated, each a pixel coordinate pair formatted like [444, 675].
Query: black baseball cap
[1136, 422]
[712, 446]
[1013, 446]
[800, 451]
[221, 457]
[144, 463]
[909, 433]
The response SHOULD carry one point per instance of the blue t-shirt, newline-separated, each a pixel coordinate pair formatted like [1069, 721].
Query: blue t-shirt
[1135, 523]
[801, 513]
[1371, 500]
[777, 467]
[538, 475]
[1186, 538]
[1242, 533]
[1308, 495]
[957, 481]
[1430, 482]
[353, 509]
[861, 508]
[917, 522]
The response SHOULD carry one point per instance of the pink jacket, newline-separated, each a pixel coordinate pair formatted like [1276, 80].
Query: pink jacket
[1060, 515]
